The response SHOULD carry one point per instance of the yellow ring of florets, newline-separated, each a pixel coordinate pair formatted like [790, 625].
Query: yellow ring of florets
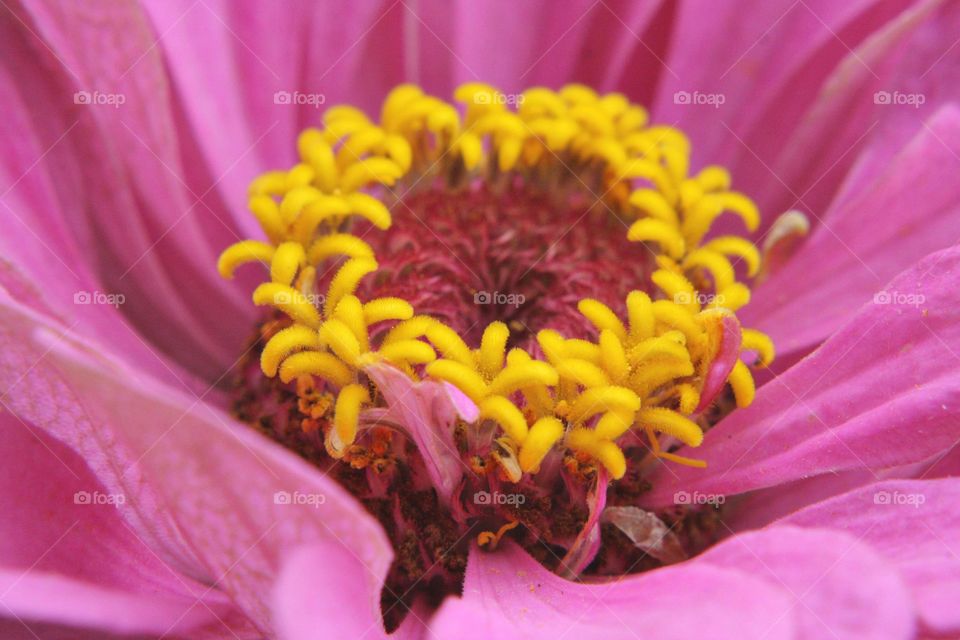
[643, 372]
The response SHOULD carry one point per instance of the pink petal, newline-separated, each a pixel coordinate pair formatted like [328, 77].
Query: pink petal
[521, 63]
[881, 392]
[51, 598]
[903, 212]
[840, 587]
[507, 594]
[915, 525]
[44, 264]
[101, 164]
[759, 508]
[627, 44]
[202, 490]
[326, 49]
[59, 527]
[911, 54]
[775, 65]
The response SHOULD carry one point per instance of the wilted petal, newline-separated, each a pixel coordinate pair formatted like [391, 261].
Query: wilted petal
[428, 411]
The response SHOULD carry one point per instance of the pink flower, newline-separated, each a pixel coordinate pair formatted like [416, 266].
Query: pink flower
[134, 503]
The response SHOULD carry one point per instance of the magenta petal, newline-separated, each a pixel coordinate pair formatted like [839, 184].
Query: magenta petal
[916, 525]
[209, 495]
[39, 596]
[56, 523]
[884, 391]
[759, 508]
[790, 76]
[507, 594]
[907, 209]
[428, 411]
[519, 56]
[841, 587]
[130, 162]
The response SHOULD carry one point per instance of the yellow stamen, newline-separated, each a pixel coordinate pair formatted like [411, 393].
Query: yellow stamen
[741, 381]
[315, 363]
[287, 260]
[544, 433]
[288, 300]
[242, 253]
[347, 412]
[671, 423]
[285, 342]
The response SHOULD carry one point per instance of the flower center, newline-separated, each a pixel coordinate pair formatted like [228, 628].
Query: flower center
[546, 317]
[475, 255]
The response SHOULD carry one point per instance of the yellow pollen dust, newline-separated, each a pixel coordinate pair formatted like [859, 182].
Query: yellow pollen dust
[641, 376]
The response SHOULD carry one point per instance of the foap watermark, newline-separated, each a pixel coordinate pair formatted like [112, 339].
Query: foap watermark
[685, 297]
[697, 498]
[99, 297]
[899, 98]
[315, 100]
[497, 498]
[299, 498]
[699, 98]
[899, 297]
[513, 99]
[297, 297]
[98, 497]
[496, 297]
[99, 98]
[899, 499]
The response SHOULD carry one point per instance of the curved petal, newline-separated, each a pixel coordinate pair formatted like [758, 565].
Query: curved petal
[509, 594]
[757, 509]
[320, 587]
[782, 582]
[904, 211]
[852, 126]
[44, 264]
[208, 495]
[882, 392]
[914, 524]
